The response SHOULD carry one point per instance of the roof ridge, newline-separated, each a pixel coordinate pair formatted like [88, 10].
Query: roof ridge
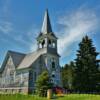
[10, 51]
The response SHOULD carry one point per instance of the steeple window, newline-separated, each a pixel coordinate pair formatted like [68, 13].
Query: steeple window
[53, 45]
[43, 43]
[40, 45]
[47, 37]
[49, 43]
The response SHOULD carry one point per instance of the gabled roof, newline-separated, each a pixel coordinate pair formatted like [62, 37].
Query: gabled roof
[22, 61]
[16, 57]
[30, 58]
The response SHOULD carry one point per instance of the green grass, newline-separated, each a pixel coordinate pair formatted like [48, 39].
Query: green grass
[20, 97]
[65, 97]
[80, 97]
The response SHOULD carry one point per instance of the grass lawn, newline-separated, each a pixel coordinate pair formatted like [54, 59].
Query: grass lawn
[65, 97]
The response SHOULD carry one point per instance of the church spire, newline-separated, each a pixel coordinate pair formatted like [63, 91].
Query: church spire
[46, 26]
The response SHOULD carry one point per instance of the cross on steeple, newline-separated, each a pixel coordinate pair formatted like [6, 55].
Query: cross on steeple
[46, 26]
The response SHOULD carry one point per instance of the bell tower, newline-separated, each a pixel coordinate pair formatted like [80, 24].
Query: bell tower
[48, 41]
[47, 38]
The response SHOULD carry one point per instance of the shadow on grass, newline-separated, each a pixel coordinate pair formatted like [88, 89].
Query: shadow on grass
[56, 97]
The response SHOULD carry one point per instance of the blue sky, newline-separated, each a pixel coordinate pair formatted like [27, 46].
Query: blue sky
[21, 20]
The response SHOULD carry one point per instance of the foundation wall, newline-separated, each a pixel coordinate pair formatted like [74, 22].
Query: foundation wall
[22, 90]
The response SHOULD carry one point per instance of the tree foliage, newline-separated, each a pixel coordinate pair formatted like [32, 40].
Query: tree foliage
[68, 75]
[43, 84]
[86, 68]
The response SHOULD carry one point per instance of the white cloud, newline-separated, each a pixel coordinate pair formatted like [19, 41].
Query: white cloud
[33, 47]
[32, 32]
[5, 27]
[76, 25]
[32, 35]
[6, 7]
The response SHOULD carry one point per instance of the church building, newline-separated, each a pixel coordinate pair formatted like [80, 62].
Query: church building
[19, 71]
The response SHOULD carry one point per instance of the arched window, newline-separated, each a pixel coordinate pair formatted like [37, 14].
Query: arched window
[53, 76]
[49, 42]
[43, 43]
[53, 44]
[40, 45]
[53, 64]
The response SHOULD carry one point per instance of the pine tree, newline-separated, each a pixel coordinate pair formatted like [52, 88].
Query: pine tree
[43, 83]
[86, 67]
[68, 75]
[64, 76]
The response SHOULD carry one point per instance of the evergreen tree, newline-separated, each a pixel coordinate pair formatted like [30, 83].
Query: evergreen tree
[64, 76]
[68, 75]
[86, 67]
[43, 83]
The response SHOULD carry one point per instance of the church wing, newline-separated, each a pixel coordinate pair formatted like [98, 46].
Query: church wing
[16, 59]
[8, 68]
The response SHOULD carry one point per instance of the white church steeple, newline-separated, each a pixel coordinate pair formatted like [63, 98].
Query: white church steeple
[47, 38]
[46, 27]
